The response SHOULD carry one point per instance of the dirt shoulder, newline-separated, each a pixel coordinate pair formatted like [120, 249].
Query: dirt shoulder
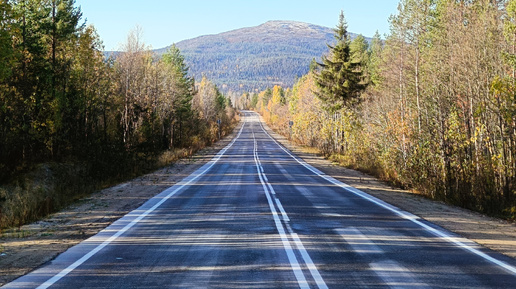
[495, 234]
[33, 245]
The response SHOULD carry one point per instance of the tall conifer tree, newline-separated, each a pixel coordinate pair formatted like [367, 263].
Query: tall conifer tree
[340, 77]
[374, 64]
[185, 86]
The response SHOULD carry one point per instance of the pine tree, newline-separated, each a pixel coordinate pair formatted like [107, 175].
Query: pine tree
[266, 96]
[360, 54]
[31, 77]
[358, 49]
[375, 54]
[185, 90]
[254, 101]
[64, 30]
[340, 78]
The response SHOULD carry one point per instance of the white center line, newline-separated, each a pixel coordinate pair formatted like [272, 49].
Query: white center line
[298, 272]
[294, 264]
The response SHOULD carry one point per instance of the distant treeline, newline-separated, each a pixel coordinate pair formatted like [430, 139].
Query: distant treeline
[439, 112]
[62, 102]
[252, 66]
[252, 59]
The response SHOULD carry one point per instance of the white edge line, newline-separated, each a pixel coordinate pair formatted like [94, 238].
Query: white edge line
[87, 256]
[399, 212]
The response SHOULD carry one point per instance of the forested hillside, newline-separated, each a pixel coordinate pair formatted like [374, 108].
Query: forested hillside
[432, 107]
[254, 58]
[71, 121]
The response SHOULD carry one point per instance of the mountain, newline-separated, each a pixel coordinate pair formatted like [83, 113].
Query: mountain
[254, 58]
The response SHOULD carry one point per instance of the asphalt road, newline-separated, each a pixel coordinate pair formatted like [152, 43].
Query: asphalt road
[258, 217]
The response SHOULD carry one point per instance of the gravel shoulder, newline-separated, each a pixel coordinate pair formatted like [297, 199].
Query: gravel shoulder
[33, 245]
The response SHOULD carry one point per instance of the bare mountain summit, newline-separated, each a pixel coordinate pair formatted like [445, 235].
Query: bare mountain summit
[254, 58]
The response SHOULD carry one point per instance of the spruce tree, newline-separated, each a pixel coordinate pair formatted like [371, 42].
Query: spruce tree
[185, 86]
[340, 77]
[374, 64]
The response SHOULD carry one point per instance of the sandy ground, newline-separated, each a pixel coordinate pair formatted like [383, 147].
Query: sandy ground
[24, 250]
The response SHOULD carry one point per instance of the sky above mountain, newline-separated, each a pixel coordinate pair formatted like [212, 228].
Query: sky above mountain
[166, 22]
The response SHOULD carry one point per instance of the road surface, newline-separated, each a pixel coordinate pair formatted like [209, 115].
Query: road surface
[256, 216]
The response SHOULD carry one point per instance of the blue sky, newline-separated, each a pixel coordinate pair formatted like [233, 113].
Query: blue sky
[169, 21]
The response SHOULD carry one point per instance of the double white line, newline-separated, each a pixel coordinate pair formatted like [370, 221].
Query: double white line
[457, 241]
[283, 226]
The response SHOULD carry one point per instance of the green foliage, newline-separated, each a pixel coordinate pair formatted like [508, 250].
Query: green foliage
[340, 80]
[184, 92]
[359, 50]
[254, 101]
[374, 63]
[267, 96]
[86, 119]
[440, 117]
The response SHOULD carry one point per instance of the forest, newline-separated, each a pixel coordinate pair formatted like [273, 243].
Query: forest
[72, 121]
[253, 58]
[430, 107]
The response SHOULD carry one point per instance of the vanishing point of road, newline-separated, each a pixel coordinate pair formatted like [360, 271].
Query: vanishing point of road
[257, 216]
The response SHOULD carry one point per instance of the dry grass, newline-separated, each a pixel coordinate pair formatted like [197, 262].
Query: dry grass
[49, 187]
[41, 191]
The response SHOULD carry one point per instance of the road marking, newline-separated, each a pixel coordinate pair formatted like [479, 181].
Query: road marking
[358, 241]
[285, 173]
[87, 256]
[391, 272]
[309, 263]
[395, 276]
[294, 263]
[306, 192]
[459, 242]
[282, 210]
